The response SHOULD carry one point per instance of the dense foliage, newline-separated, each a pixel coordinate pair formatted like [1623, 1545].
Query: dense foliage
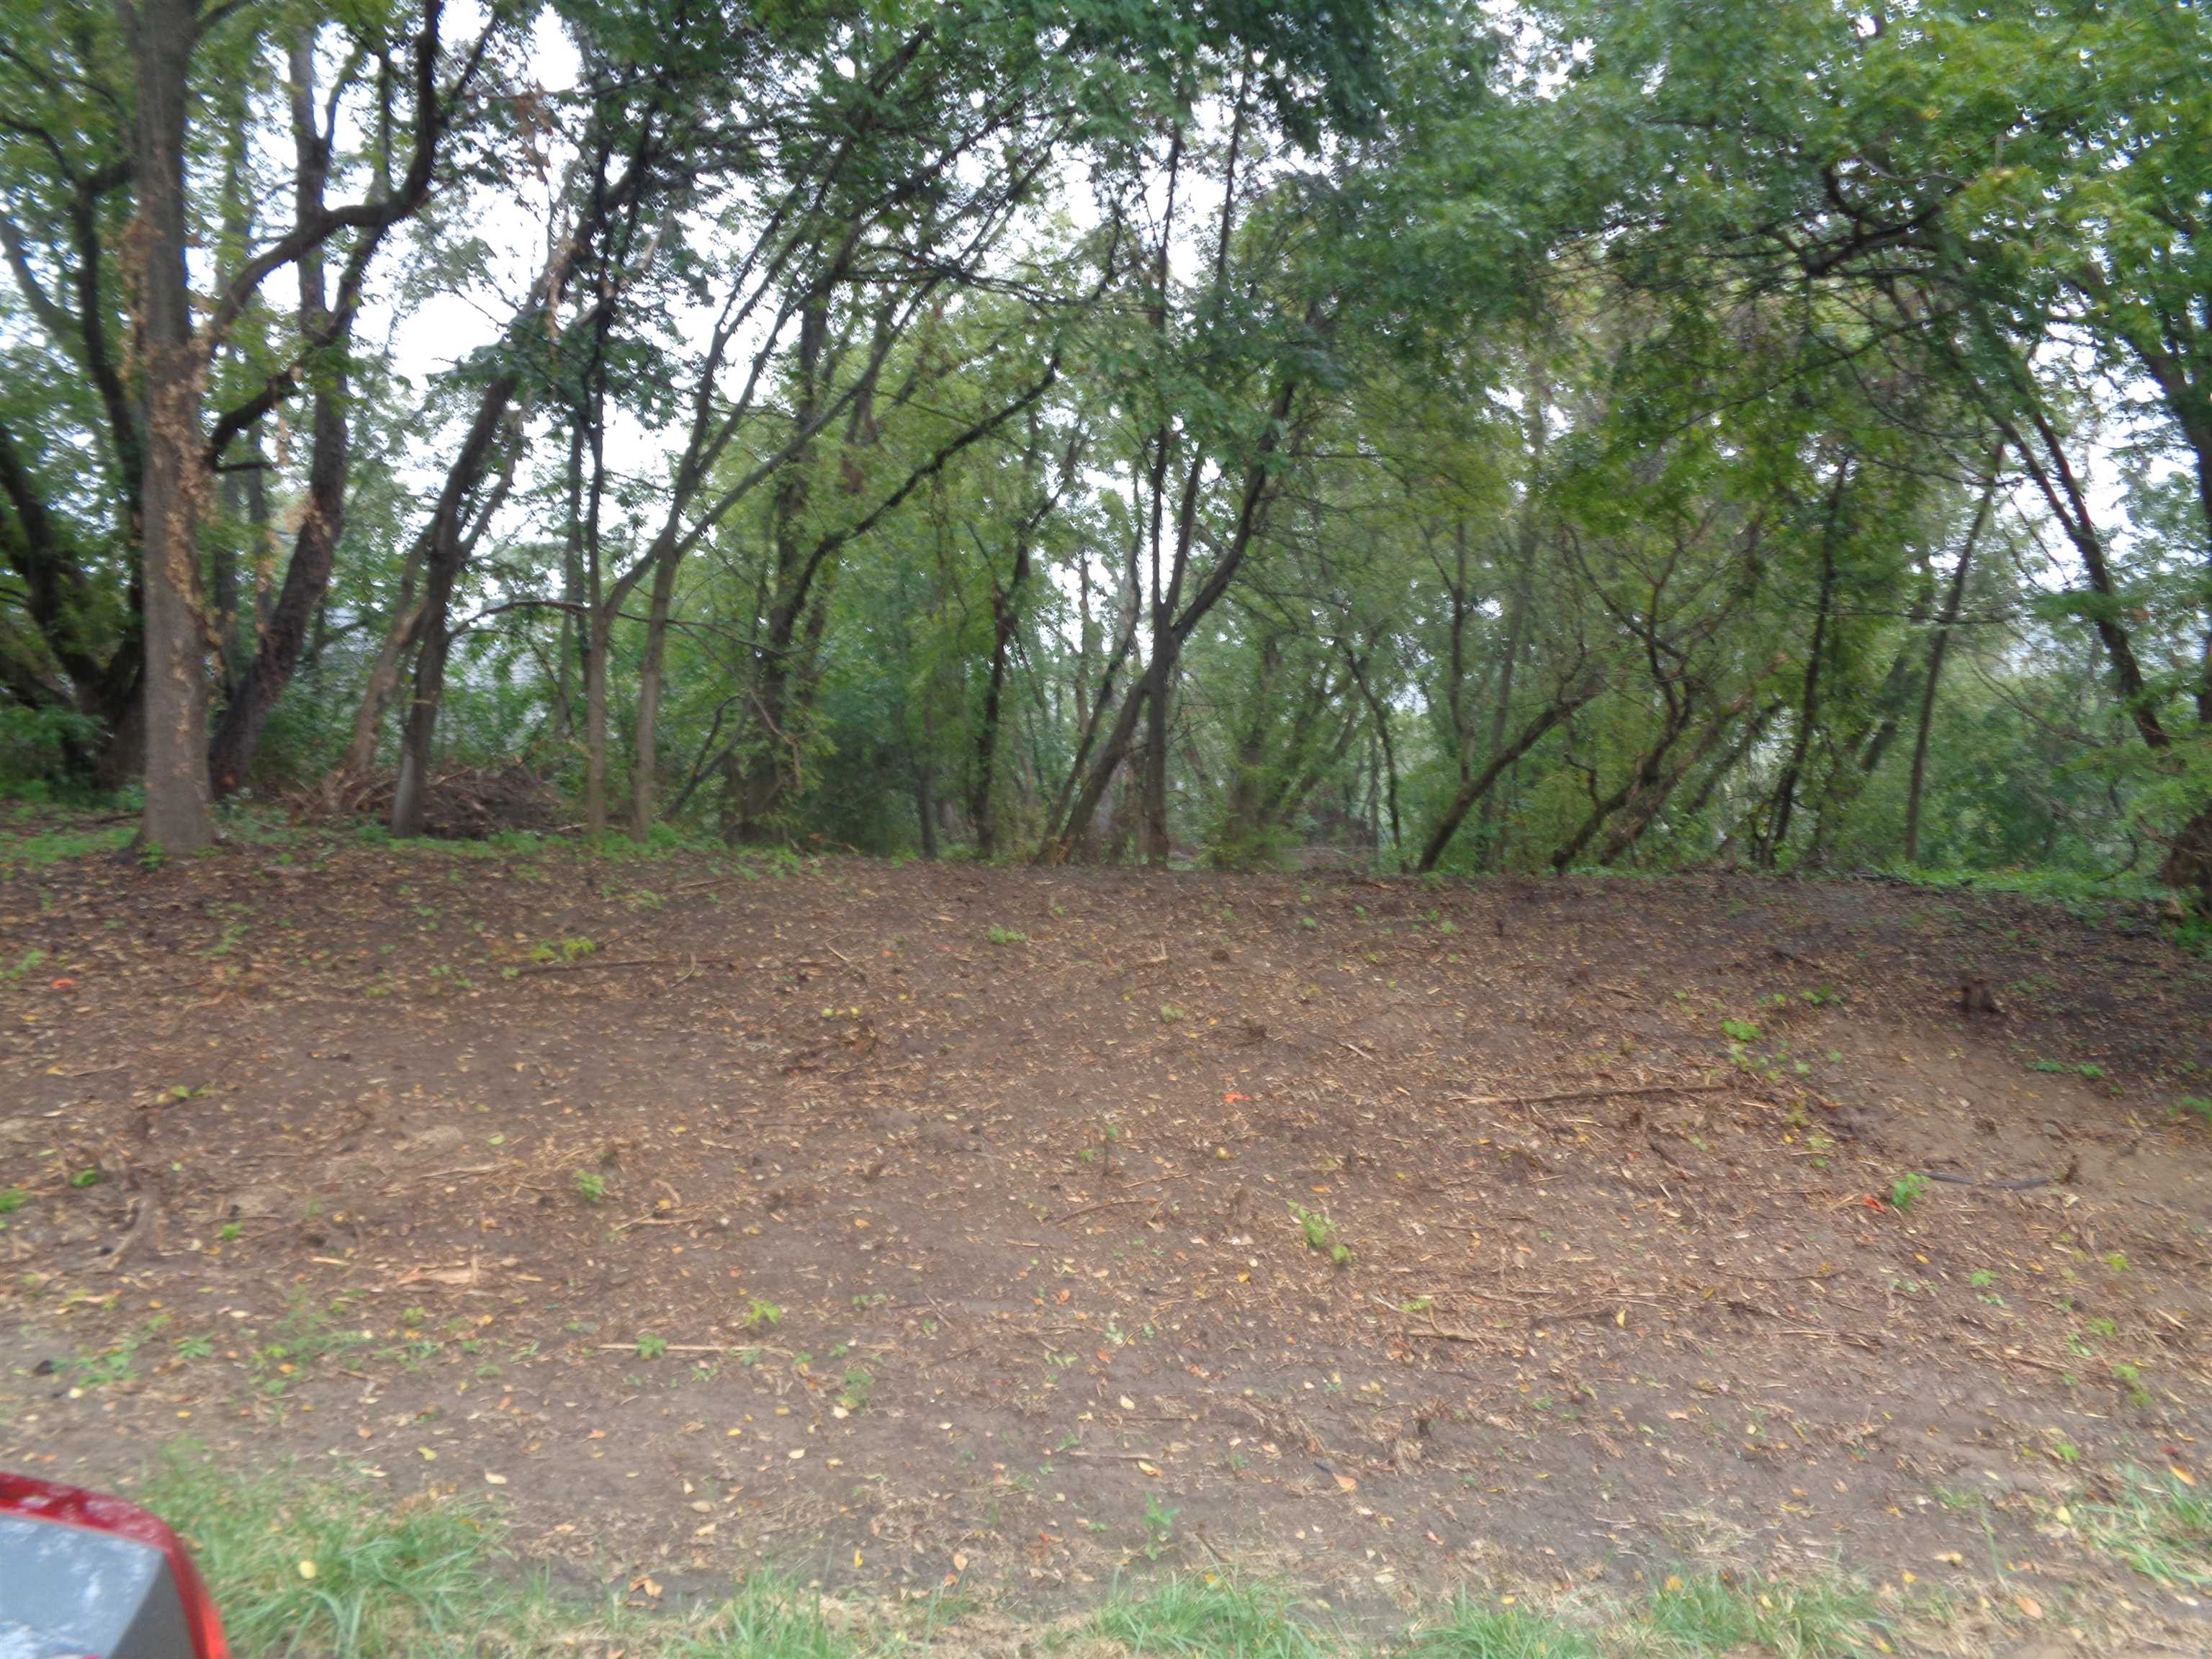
[1579, 434]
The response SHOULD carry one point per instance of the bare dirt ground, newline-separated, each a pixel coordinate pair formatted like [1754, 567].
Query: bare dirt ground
[1011, 1228]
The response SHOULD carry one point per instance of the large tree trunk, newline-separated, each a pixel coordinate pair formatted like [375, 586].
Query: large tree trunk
[1527, 535]
[446, 545]
[1808, 702]
[384, 674]
[1646, 803]
[599, 630]
[180, 816]
[648, 698]
[1005, 619]
[1480, 785]
[1152, 794]
[1954, 600]
[307, 578]
[1251, 511]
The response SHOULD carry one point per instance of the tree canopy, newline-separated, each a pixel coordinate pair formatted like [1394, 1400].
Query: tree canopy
[1416, 435]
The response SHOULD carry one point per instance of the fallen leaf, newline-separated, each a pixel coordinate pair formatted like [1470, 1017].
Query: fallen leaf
[307, 1569]
[2030, 1606]
[491, 1480]
[1345, 1483]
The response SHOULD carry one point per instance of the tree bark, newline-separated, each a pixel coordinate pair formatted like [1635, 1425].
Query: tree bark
[1954, 599]
[179, 815]
[384, 674]
[1251, 512]
[1005, 619]
[1645, 804]
[1503, 757]
[1808, 702]
[645, 776]
[445, 549]
[314, 548]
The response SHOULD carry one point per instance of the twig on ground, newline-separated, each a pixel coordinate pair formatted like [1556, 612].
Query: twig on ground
[1592, 1094]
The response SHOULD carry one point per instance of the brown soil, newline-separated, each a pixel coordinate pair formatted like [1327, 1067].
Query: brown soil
[1616, 1299]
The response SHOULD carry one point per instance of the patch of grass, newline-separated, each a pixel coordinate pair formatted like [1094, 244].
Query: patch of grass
[1008, 936]
[2161, 1529]
[51, 847]
[301, 1568]
[312, 1570]
[1813, 1620]
[319, 1568]
[1205, 1619]
[1471, 1631]
[27, 962]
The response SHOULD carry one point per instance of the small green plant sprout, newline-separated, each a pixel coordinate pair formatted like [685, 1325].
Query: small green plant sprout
[1109, 1135]
[83, 1178]
[564, 950]
[651, 1347]
[1906, 1190]
[760, 1315]
[859, 1385]
[1740, 1030]
[1981, 1279]
[1320, 1235]
[1821, 995]
[1008, 936]
[2130, 1378]
[13, 1199]
[2197, 1106]
[1159, 1527]
[1170, 1014]
[590, 1186]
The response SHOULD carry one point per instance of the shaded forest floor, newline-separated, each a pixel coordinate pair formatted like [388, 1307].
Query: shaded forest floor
[1013, 1229]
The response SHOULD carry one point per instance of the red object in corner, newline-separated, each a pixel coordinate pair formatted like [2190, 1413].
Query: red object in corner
[69, 1506]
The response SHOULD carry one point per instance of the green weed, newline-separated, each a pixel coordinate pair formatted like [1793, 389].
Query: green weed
[2159, 1528]
[1792, 1620]
[1471, 1631]
[1320, 1235]
[1196, 1620]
